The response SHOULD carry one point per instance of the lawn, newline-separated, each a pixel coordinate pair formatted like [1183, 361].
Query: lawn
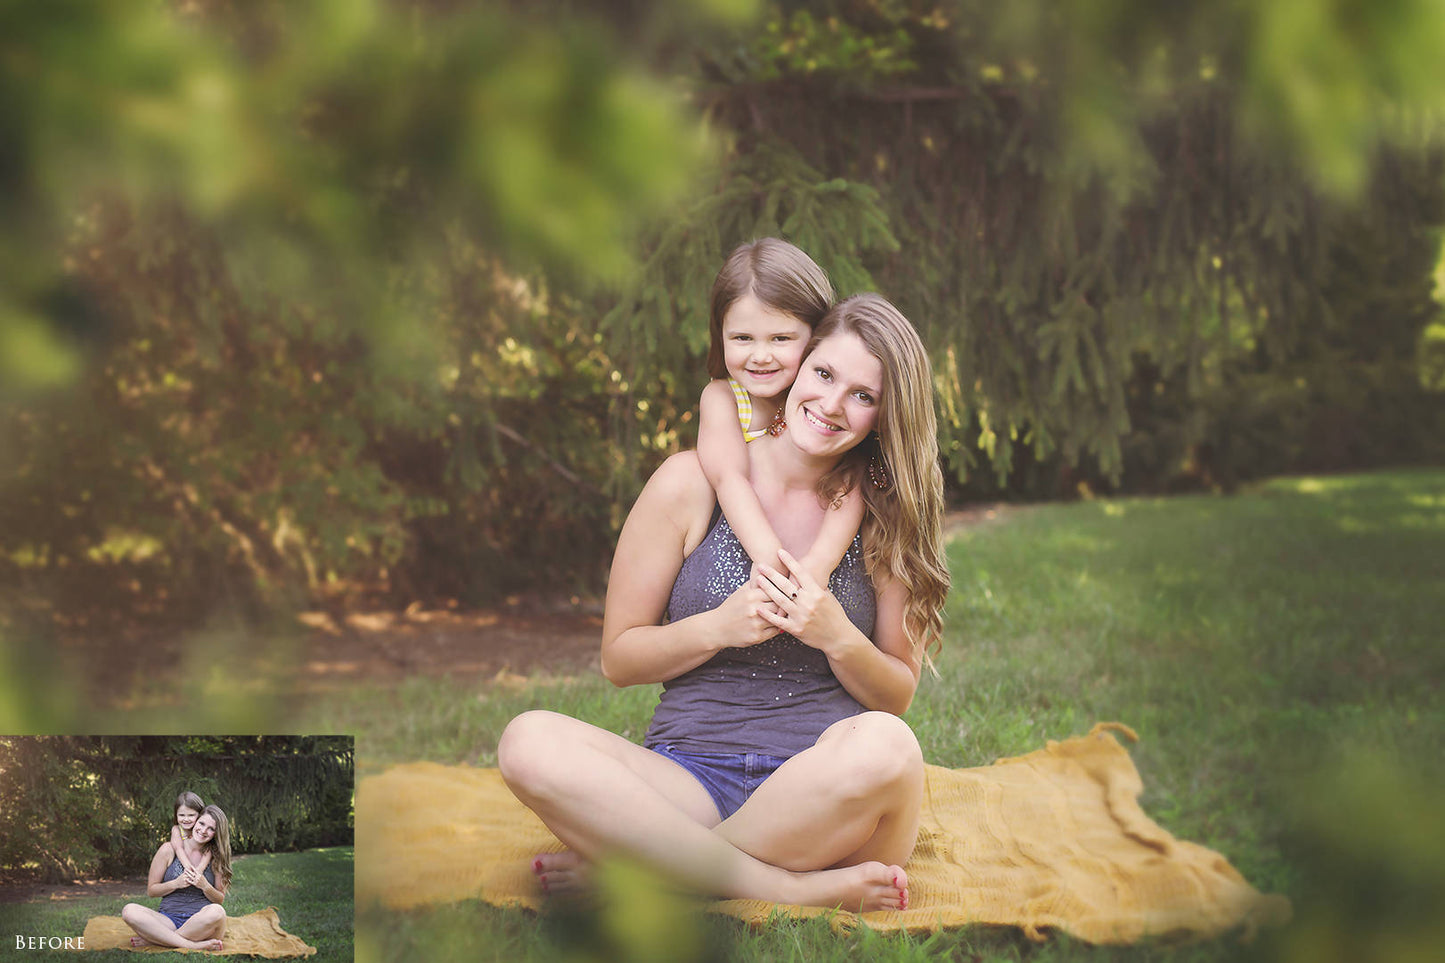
[1279, 652]
[312, 893]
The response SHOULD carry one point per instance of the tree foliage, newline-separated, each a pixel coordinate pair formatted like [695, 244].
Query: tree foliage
[76, 805]
[413, 294]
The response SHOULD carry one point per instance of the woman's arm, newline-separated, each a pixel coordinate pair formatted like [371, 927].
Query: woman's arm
[216, 894]
[723, 454]
[156, 883]
[882, 672]
[669, 520]
[840, 525]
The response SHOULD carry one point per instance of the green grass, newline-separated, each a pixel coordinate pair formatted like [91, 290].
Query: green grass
[1279, 652]
[312, 892]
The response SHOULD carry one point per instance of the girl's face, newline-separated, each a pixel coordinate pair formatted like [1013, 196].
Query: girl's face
[205, 829]
[835, 401]
[762, 347]
[186, 817]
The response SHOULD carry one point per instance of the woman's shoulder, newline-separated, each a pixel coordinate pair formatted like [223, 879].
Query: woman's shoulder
[166, 850]
[680, 489]
[680, 478]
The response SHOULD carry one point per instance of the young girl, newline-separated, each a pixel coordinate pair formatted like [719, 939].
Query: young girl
[765, 302]
[188, 810]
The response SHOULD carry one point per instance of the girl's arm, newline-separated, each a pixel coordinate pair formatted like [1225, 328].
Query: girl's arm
[835, 537]
[667, 522]
[203, 862]
[882, 672]
[724, 457]
[180, 847]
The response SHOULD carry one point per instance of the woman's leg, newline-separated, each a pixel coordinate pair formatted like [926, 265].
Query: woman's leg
[601, 793]
[155, 928]
[854, 796]
[206, 927]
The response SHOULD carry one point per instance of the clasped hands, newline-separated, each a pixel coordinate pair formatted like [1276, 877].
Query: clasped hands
[772, 601]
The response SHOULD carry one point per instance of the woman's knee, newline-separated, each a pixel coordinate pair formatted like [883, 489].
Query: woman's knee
[211, 913]
[527, 751]
[876, 751]
[129, 911]
[210, 919]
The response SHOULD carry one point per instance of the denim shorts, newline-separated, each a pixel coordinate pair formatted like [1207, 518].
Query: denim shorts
[730, 778]
[178, 918]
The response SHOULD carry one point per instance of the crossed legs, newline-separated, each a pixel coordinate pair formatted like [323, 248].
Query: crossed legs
[832, 827]
[203, 931]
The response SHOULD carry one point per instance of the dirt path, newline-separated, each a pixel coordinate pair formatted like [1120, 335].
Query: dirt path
[133, 887]
[503, 643]
[136, 664]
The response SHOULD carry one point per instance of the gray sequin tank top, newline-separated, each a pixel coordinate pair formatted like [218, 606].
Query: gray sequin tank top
[189, 899]
[775, 697]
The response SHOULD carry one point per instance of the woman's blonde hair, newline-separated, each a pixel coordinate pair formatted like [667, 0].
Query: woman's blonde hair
[775, 272]
[903, 526]
[220, 845]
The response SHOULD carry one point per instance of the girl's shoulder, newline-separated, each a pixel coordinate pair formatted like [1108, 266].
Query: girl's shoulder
[723, 392]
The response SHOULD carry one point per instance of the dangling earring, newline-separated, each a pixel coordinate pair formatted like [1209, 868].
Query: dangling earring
[878, 471]
[779, 424]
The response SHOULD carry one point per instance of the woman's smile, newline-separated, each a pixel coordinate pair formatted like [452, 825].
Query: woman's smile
[836, 397]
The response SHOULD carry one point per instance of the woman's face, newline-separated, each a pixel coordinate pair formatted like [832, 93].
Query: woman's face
[186, 817]
[834, 403]
[205, 829]
[762, 347]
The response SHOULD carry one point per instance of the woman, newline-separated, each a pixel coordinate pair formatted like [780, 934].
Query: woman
[776, 766]
[190, 914]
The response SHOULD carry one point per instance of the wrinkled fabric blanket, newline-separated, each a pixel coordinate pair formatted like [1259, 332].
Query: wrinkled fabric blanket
[1053, 840]
[255, 934]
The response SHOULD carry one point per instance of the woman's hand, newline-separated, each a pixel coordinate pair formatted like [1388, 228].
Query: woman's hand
[741, 618]
[190, 878]
[802, 606]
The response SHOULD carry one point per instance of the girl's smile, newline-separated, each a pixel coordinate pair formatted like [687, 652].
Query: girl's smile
[186, 817]
[762, 348]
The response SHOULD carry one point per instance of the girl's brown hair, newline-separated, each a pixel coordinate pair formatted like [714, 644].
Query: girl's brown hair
[188, 799]
[779, 275]
[903, 526]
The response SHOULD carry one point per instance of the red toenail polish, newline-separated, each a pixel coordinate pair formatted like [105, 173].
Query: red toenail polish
[536, 866]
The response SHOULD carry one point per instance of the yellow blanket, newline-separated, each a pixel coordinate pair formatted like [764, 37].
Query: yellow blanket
[1051, 840]
[255, 934]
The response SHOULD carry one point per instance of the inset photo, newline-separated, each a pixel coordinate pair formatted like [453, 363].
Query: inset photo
[111, 845]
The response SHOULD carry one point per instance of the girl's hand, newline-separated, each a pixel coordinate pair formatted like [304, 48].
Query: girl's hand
[742, 621]
[804, 607]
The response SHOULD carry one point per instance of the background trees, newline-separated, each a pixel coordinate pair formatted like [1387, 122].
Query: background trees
[409, 295]
[77, 805]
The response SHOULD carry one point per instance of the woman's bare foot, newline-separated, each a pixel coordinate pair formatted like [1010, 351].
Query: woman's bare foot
[139, 941]
[861, 889]
[562, 873]
[214, 946]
